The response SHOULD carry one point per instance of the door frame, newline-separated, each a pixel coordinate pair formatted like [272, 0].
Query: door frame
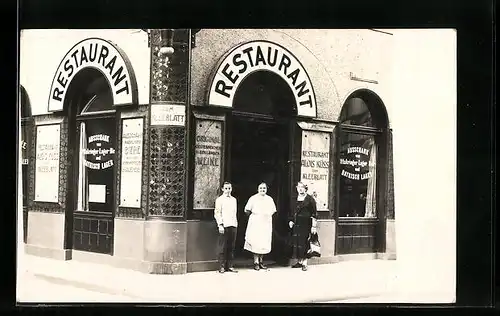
[73, 147]
[294, 147]
[380, 136]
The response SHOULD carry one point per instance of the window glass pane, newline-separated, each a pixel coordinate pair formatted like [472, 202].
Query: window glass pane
[356, 112]
[97, 165]
[97, 97]
[358, 157]
[99, 103]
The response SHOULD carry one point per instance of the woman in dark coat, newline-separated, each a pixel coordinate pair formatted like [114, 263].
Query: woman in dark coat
[303, 223]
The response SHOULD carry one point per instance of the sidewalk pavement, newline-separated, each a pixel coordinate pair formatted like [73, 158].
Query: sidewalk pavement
[353, 281]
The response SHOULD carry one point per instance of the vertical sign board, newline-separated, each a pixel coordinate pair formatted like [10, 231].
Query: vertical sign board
[207, 170]
[315, 165]
[47, 163]
[131, 164]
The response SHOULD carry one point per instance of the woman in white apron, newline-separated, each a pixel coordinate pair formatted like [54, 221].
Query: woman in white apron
[258, 235]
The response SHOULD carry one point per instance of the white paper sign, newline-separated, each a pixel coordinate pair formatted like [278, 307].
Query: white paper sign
[207, 169]
[47, 163]
[168, 114]
[97, 193]
[315, 170]
[131, 164]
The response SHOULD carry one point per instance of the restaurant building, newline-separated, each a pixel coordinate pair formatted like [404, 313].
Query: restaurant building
[127, 136]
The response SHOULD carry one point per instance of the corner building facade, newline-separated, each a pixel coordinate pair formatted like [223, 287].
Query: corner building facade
[126, 142]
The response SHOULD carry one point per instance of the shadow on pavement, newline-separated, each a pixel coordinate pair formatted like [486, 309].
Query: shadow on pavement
[85, 286]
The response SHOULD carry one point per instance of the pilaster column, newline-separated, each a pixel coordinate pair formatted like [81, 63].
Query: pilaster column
[165, 227]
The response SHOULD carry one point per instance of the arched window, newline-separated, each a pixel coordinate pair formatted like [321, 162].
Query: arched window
[358, 160]
[362, 174]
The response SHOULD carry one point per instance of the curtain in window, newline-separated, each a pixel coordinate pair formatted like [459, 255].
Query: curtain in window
[371, 196]
[82, 172]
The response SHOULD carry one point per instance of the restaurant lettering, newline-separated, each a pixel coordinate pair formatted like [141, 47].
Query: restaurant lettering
[95, 53]
[356, 159]
[356, 176]
[208, 155]
[360, 150]
[168, 114]
[267, 56]
[315, 165]
[25, 131]
[24, 147]
[97, 154]
[208, 152]
[47, 163]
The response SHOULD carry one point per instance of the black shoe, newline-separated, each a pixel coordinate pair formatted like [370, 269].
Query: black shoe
[222, 270]
[256, 266]
[297, 265]
[304, 268]
[262, 266]
[231, 269]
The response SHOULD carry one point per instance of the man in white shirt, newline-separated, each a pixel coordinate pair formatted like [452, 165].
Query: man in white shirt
[225, 216]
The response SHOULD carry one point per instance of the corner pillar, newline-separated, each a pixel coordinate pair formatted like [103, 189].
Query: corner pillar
[165, 230]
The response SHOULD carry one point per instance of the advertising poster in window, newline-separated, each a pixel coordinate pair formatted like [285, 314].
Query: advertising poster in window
[358, 158]
[315, 163]
[47, 163]
[131, 172]
[208, 152]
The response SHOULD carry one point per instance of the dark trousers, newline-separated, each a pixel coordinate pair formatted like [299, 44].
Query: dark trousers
[226, 247]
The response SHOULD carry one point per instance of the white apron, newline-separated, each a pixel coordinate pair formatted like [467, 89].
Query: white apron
[258, 235]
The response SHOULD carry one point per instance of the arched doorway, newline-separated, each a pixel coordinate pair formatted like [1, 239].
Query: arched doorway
[92, 144]
[260, 147]
[362, 176]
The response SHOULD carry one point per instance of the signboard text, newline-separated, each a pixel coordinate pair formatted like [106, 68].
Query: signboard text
[267, 56]
[96, 53]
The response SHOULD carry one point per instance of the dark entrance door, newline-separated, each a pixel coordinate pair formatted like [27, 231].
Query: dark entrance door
[358, 221]
[93, 218]
[92, 149]
[260, 152]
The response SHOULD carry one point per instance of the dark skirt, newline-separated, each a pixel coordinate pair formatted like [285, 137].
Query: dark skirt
[300, 236]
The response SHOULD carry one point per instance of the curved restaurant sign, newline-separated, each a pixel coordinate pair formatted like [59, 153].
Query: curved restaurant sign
[253, 56]
[99, 54]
